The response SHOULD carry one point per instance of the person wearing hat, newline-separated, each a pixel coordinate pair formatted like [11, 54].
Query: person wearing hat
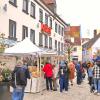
[96, 76]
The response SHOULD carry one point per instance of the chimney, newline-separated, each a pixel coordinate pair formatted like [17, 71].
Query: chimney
[51, 4]
[95, 33]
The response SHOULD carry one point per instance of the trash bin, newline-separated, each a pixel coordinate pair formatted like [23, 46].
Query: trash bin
[4, 91]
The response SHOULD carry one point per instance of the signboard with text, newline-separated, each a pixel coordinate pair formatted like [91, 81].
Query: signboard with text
[45, 29]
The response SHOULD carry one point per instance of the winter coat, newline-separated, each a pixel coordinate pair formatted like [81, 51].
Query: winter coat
[20, 75]
[48, 70]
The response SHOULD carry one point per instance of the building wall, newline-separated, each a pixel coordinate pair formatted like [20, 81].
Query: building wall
[77, 52]
[89, 54]
[96, 47]
[21, 18]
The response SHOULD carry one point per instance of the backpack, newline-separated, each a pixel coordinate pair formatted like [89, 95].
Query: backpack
[18, 77]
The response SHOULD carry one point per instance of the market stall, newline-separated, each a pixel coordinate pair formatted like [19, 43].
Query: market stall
[36, 59]
[31, 53]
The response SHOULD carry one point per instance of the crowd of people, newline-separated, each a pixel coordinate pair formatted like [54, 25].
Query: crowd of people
[58, 76]
[64, 72]
[93, 71]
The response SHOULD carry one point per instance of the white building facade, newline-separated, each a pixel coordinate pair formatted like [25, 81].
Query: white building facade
[33, 19]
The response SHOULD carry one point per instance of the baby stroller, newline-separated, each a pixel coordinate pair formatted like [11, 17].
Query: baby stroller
[92, 88]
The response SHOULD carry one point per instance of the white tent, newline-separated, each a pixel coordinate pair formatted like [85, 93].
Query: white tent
[23, 47]
[49, 53]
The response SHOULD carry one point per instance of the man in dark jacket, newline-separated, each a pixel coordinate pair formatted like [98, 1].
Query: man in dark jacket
[19, 80]
[64, 76]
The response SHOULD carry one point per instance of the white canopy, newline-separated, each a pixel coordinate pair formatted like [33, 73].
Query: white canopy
[23, 47]
[49, 53]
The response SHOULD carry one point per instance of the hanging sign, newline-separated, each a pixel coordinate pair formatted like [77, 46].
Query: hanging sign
[46, 29]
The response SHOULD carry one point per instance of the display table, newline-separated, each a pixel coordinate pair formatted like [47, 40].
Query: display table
[35, 85]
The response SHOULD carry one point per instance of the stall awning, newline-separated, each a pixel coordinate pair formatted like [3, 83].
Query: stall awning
[23, 47]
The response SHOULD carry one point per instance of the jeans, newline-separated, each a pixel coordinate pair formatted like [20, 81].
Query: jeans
[18, 94]
[97, 85]
[90, 80]
[79, 77]
[55, 84]
[63, 83]
[49, 83]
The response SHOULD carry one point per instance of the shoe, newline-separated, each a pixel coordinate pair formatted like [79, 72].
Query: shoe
[55, 90]
[50, 90]
[95, 91]
[71, 84]
[98, 94]
[66, 92]
[60, 91]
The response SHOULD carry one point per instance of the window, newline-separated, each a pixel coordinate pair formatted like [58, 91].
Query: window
[62, 47]
[25, 32]
[55, 44]
[40, 15]
[32, 13]
[12, 29]
[75, 49]
[50, 42]
[40, 39]
[13, 2]
[46, 40]
[51, 22]
[59, 29]
[32, 35]
[59, 47]
[46, 19]
[25, 6]
[62, 31]
[55, 27]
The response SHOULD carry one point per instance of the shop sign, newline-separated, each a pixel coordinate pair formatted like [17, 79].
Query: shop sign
[46, 29]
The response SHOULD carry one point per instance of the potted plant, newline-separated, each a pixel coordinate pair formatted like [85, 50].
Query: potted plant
[5, 74]
[5, 77]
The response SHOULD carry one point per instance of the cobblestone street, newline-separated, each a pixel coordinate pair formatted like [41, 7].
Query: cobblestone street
[75, 92]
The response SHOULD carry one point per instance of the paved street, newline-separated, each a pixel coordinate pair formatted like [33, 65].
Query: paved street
[75, 93]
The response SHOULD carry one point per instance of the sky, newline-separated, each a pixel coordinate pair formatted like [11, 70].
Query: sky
[80, 12]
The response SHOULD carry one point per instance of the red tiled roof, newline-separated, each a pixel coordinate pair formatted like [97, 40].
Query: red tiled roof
[48, 1]
[74, 31]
